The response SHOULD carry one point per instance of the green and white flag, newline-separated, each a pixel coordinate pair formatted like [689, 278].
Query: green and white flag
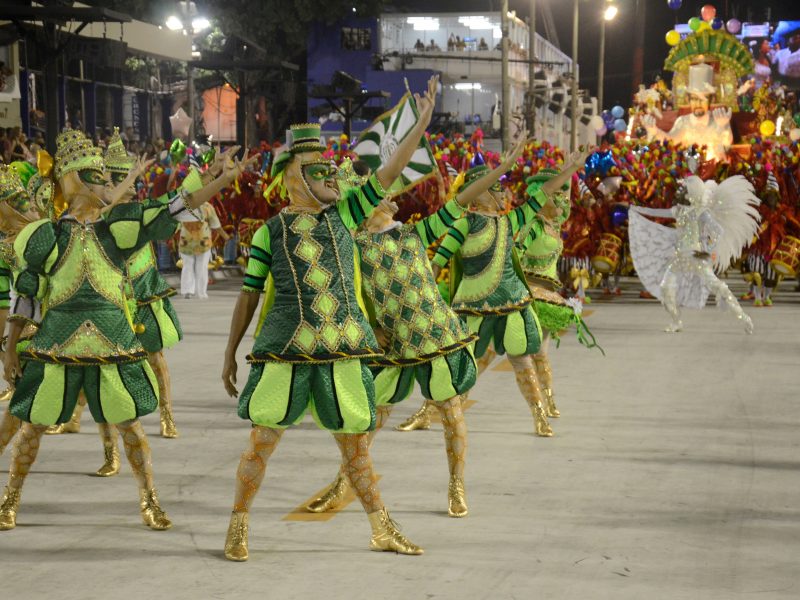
[377, 143]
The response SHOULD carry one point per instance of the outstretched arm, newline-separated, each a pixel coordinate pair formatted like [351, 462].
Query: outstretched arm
[477, 189]
[391, 170]
[574, 163]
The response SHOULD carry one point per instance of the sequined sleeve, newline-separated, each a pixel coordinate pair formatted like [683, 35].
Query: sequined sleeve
[5, 285]
[525, 213]
[134, 224]
[455, 238]
[358, 203]
[712, 231]
[434, 226]
[36, 252]
[532, 231]
[260, 261]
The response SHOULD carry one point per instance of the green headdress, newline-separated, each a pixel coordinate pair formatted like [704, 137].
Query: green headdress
[75, 152]
[12, 190]
[541, 176]
[472, 175]
[117, 158]
[302, 138]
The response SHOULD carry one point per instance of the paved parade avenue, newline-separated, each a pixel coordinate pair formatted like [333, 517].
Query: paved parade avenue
[674, 474]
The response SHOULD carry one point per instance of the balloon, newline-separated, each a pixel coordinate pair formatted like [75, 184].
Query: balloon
[602, 131]
[767, 127]
[794, 134]
[673, 37]
[708, 12]
[674, 4]
[619, 215]
[620, 125]
[180, 122]
[694, 23]
[596, 122]
[734, 26]
[717, 23]
[617, 112]
[704, 26]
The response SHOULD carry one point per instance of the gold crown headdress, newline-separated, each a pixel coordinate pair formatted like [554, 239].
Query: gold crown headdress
[12, 190]
[75, 152]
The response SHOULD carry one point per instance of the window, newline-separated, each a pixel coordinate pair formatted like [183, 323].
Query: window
[354, 38]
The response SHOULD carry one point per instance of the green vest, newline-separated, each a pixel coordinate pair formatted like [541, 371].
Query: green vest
[490, 281]
[315, 315]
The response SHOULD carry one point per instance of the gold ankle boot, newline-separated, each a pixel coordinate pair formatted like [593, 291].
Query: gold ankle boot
[543, 428]
[236, 540]
[55, 429]
[168, 429]
[457, 498]
[550, 403]
[332, 497]
[112, 464]
[386, 537]
[8, 509]
[6, 394]
[152, 514]
[419, 420]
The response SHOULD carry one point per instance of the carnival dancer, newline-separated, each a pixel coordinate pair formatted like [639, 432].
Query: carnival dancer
[312, 351]
[540, 247]
[713, 222]
[73, 265]
[424, 339]
[489, 289]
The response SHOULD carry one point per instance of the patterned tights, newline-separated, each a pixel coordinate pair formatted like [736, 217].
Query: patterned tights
[455, 434]
[253, 464]
[160, 368]
[138, 452]
[527, 381]
[357, 466]
[9, 425]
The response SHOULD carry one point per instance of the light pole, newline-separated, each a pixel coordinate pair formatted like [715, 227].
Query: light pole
[506, 81]
[608, 14]
[573, 134]
[531, 69]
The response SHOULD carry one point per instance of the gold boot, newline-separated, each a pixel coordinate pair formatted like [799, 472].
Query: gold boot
[55, 429]
[168, 429]
[419, 420]
[152, 514]
[550, 404]
[112, 464]
[457, 498]
[6, 394]
[386, 537]
[332, 497]
[543, 428]
[8, 509]
[236, 540]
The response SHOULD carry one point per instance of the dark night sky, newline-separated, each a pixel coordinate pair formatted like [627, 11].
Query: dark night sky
[619, 34]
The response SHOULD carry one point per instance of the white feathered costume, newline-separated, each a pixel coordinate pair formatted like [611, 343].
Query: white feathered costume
[720, 220]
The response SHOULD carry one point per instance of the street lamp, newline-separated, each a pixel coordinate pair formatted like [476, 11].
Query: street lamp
[608, 15]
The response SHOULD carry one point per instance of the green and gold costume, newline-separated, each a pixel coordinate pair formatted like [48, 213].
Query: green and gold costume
[489, 289]
[427, 341]
[312, 347]
[85, 339]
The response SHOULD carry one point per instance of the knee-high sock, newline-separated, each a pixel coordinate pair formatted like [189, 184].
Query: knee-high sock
[253, 464]
[357, 464]
[138, 452]
[527, 381]
[485, 360]
[159, 365]
[9, 426]
[455, 435]
[24, 452]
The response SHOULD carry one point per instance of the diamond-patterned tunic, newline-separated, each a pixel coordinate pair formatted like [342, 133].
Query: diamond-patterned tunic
[397, 278]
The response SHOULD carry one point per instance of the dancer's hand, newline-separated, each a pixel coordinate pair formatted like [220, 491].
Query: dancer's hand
[722, 116]
[427, 102]
[11, 367]
[229, 370]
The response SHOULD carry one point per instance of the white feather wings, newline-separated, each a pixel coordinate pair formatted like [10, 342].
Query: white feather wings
[733, 206]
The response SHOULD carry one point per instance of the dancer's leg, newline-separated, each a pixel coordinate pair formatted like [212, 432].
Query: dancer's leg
[9, 425]
[455, 440]
[722, 292]
[335, 493]
[201, 273]
[545, 374]
[23, 455]
[669, 297]
[108, 435]
[249, 476]
[138, 452]
[528, 384]
[358, 467]
[160, 368]
[187, 275]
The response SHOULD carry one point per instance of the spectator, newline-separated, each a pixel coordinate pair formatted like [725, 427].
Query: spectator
[195, 249]
[419, 46]
[460, 44]
[451, 43]
[482, 45]
[19, 150]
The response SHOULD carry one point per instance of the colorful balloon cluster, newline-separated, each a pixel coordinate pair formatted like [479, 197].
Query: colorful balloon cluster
[708, 20]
